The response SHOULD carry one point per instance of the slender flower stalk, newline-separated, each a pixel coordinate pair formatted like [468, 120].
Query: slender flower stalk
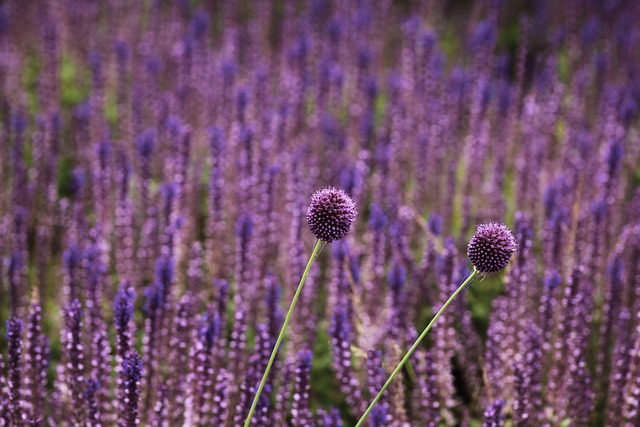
[467, 282]
[330, 216]
[489, 250]
[314, 254]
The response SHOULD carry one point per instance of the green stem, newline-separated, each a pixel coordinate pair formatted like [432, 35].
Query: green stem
[314, 254]
[415, 345]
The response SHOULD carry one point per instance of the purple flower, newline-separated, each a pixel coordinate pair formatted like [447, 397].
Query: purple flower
[397, 278]
[37, 364]
[435, 224]
[330, 418]
[154, 297]
[131, 376]
[76, 182]
[376, 380]
[210, 329]
[220, 403]
[491, 247]
[71, 260]
[179, 347]
[92, 407]
[145, 144]
[14, 373]
[123, 307]
[341, 336]
[123, 314]
[379, 416]
[377, 218]
[301, 414]
[331, 214]
[74, 359]
[493, 416]
[631, 398]
[426, 394]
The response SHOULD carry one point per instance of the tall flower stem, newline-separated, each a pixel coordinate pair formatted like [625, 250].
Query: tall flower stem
[314, 255]
[415, 345]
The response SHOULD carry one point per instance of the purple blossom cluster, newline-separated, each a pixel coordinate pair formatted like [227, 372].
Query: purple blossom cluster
[157, 166]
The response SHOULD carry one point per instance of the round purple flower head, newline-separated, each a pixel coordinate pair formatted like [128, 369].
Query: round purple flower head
[331, 213]
[490, 249]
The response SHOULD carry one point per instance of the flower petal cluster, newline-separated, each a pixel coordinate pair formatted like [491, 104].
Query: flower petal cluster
[491, 247]
[331, 214]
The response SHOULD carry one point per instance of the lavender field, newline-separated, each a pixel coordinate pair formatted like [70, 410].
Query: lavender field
[157, 164]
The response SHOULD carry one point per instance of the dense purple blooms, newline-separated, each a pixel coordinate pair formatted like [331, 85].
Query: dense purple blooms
[300, 411]
[122, 316]
[154, 178]
[177, 385]
[92, 408]
[14, 372]
[74, 368]
[426, 402]
[493, 416]
[131, 376]
[527, 371]
[631, 396]
[37, 363]
[330, 418]
[341, 332]
[377, 378]
[379, 416]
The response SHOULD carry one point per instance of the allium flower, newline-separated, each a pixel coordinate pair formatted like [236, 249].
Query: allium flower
[490, 249]
[330, 214]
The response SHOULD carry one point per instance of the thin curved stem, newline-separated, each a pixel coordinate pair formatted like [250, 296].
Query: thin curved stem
[314, 255]
[404, 360]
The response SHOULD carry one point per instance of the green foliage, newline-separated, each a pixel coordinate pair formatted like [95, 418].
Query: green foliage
[30, 74]
[65, 172]
[564, 70]
[480, 295]
[509, 36]
[74, 82]
[380, 108]
[321, 372]
[111, 109]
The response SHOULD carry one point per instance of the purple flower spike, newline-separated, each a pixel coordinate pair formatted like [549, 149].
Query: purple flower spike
[301, 415]
[14, 373]
[490, 249]
[379, 416]
[132, 374]
[74, 358]
[123, 307]
[493, 415]
[330, 418]
[92, 407]
[331, 214]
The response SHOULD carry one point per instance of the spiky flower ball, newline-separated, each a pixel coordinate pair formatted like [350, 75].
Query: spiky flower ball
[331, 213]
[490, 249]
